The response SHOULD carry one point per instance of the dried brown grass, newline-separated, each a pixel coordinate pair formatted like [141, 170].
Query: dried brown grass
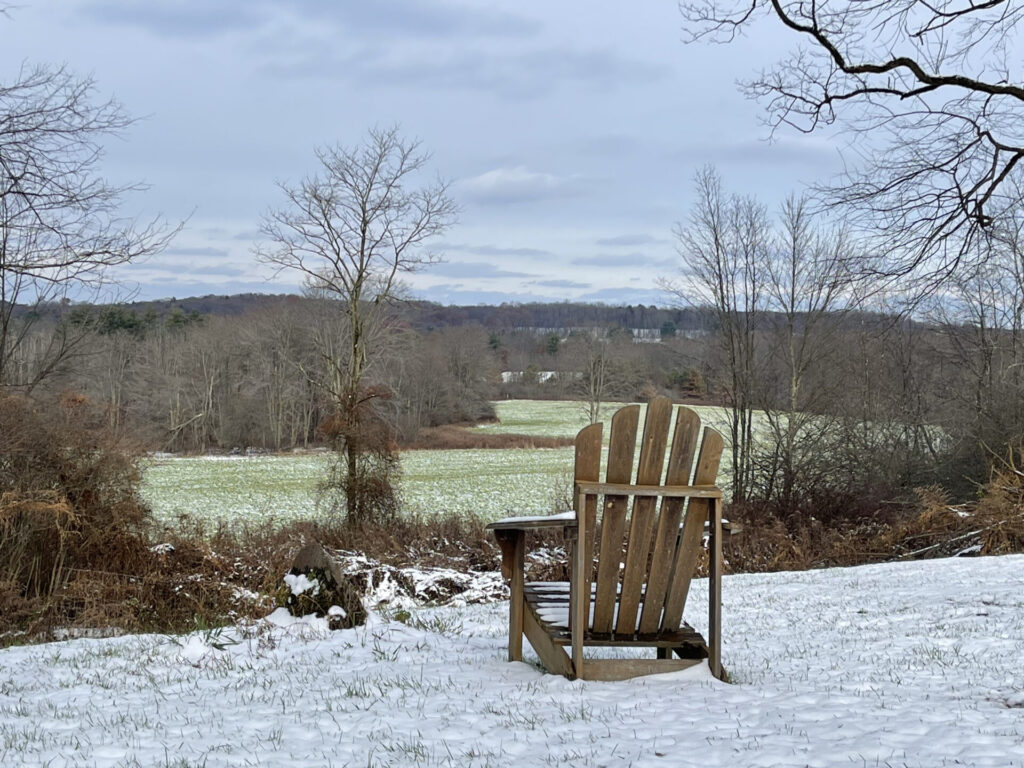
[929, 526]
[78, 549]
[68, 494]
[458, 437]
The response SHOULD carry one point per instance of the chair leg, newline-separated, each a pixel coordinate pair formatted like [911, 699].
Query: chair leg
[715, 587]
[517, 601]
[664, 653]
[513, 549]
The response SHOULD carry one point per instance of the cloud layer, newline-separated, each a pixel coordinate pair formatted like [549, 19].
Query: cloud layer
[570, 131]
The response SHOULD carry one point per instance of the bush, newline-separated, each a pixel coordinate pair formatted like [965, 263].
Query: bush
[872, 531]
[68, 495]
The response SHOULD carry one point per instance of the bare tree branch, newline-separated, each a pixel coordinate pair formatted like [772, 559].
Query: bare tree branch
[60, 232]
[930, 95]
[351, 231]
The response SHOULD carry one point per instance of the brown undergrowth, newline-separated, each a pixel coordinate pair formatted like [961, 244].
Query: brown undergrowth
[455, 436]
[927, 527]
[79, 551]
[194, 577]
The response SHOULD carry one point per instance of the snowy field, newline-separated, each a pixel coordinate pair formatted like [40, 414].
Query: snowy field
[486, 483]
[913, 664]
[564, 418]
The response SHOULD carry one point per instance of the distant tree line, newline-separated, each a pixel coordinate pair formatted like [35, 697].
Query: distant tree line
[845, 398]
[191, 382]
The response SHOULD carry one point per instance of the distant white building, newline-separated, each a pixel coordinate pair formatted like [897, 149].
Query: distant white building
[514, 377]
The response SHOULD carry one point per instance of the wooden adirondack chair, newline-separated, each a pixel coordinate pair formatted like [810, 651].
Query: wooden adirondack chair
[641, 602]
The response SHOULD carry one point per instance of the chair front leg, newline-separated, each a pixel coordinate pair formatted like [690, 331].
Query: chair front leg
[579, 590]
[715, 587]
[513, 550]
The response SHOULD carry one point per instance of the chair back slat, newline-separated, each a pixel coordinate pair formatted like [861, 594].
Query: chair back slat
[649, 472]
[587, 468]
[621, 448]
[693, 527]
[680, 465]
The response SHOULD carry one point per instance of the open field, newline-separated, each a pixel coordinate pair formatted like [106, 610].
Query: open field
[913, 664]
[564, 418]
[487, 483]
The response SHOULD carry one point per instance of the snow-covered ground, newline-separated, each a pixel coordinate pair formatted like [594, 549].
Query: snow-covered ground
[914, 664]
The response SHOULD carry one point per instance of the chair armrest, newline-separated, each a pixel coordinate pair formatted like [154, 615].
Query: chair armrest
[727, 527]
[561, 520]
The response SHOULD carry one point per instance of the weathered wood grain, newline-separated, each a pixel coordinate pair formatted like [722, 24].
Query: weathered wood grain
[693, 528]
[680, 465]
[621, 449]
[649, 469]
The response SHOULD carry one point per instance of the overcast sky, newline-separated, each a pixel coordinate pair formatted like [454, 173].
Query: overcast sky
[571, 131]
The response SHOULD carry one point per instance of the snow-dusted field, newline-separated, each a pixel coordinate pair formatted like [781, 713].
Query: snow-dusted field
[914, 664]
[486, 483]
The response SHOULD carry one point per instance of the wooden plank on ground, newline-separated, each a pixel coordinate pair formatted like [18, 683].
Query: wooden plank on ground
[624, 669]
[620, 470]
[649, 472]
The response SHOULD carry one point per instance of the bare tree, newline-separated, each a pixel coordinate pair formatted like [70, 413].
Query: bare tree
[352, 230]
[600, 369]
[60, 233]
[932, 94]
[724, 247]
[808, 282]
[982, 317]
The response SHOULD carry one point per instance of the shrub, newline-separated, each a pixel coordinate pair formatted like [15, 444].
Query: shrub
[68, 495]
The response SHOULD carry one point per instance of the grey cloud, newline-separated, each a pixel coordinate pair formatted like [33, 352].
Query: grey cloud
[520, 74]
[792, 151]
[628, 296]
[203, 251]
[492, 250]
[418, 19]
[560, 284]
[628, 240]
[206, 18]
[504, 186]
[475, 269]
[176, 18]
[617, 260]
[609, 145]
[215, 271]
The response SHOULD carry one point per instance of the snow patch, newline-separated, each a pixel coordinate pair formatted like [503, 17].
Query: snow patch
[300, 583]
[874, 665]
